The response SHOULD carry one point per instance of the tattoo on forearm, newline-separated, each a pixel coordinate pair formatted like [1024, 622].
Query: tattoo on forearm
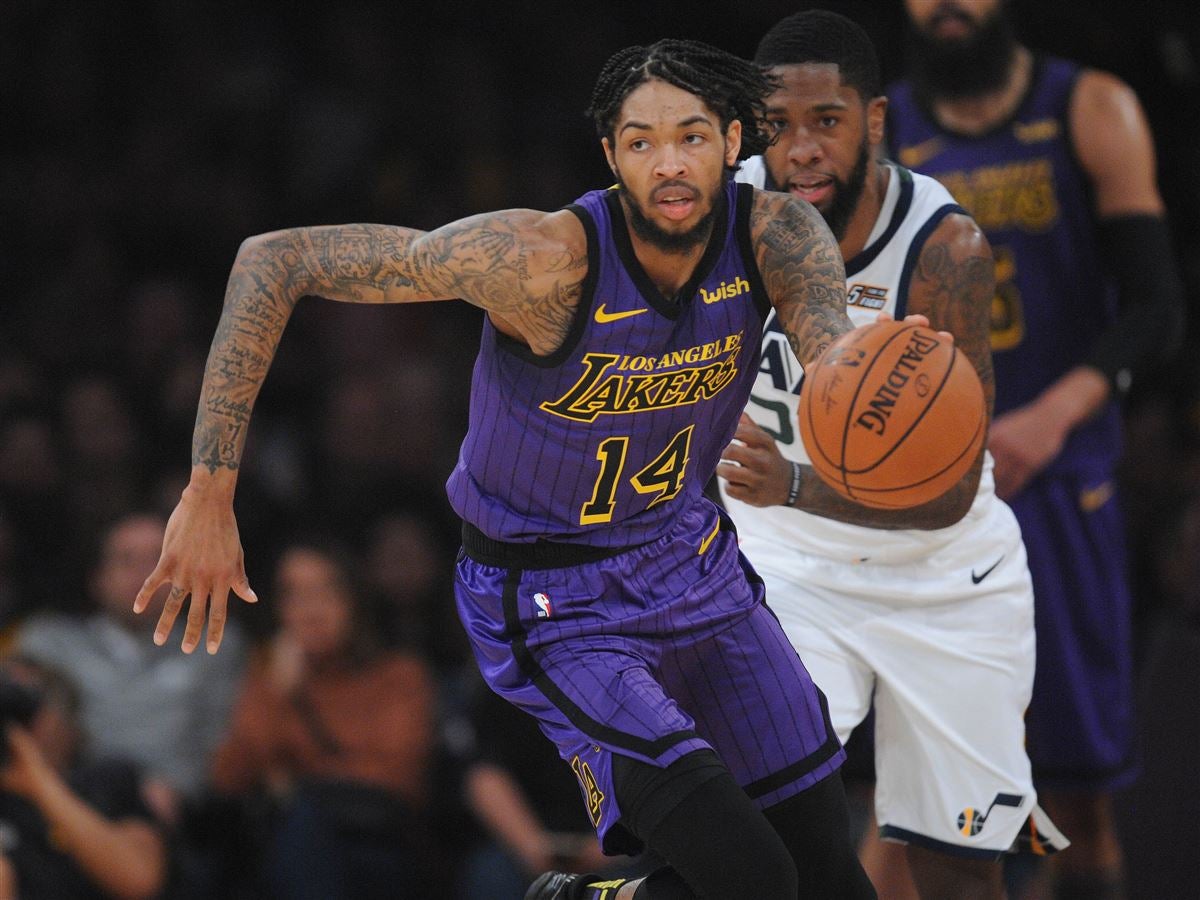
[958, 289]
[803, 273]
[486, 260]
[262, 291]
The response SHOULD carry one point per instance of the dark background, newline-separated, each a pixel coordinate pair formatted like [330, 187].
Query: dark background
[140, 142]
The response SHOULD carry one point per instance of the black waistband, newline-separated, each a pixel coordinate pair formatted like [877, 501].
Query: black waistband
[536, 555]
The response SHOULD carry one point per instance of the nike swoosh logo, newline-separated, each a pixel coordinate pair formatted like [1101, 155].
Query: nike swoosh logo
[975, 579]
[605, 317]
[1092, 499]
[708, 540]
[914, 156]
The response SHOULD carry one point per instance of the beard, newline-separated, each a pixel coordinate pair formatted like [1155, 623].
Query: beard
[674, 242]
[953, 69]
[847, 193]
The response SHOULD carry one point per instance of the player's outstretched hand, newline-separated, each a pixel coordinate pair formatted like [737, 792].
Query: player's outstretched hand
[754, 469]
[201, 556]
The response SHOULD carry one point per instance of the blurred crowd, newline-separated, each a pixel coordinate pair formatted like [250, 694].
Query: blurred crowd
[143, 142]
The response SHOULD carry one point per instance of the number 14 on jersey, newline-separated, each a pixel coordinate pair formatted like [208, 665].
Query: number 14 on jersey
[662, 476]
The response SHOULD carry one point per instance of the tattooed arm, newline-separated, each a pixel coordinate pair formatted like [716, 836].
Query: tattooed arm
[802, 270]
[952, 286]
[524, 267]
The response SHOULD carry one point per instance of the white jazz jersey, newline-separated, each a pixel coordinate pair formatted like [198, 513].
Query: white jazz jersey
[934, 629]
[876, 281]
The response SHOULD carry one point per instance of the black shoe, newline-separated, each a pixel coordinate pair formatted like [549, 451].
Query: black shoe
[551, 886]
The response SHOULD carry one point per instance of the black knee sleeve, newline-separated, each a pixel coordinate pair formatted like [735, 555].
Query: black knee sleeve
[815, 826]
[694, 815]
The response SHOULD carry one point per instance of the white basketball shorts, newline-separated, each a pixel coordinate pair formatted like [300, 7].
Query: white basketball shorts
[944, 648]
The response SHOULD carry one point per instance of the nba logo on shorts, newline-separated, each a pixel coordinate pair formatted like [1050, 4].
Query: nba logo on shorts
[543, 604]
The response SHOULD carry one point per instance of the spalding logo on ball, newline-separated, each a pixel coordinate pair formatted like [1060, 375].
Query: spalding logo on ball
[892, 415]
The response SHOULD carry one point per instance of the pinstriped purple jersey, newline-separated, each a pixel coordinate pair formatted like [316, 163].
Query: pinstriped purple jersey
[609, 439]
[1023, 185]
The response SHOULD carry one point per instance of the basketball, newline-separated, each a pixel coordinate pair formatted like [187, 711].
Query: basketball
[892, 415]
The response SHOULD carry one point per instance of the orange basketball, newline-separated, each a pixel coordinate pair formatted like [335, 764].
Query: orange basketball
[892, 415]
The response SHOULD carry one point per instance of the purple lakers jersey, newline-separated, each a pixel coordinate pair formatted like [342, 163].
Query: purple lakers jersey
[609, 439]
[1023, 186]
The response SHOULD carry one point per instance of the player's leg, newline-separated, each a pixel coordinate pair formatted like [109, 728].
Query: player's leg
[815, 824]
[1094, 869]
[940, 876]
[821, 620]
[694, 814]
[585, 670]
[799, 848]
[758, 707]
[1080, 720]
[955, 671]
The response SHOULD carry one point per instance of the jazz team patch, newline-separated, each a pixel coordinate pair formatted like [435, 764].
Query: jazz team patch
[971, 820]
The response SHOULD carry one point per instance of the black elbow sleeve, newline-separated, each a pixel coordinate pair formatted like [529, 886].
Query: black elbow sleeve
[1150, 324]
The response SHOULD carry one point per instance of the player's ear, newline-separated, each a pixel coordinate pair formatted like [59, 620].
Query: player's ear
[609, 155]
[733, 142]
[876, 118]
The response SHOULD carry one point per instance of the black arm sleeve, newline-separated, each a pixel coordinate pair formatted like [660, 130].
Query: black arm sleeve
[1150, 323]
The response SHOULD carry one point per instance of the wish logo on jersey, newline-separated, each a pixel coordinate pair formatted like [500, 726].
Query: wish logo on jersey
[725, 291]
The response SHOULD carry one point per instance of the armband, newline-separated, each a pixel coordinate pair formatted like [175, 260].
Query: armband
[794, 488]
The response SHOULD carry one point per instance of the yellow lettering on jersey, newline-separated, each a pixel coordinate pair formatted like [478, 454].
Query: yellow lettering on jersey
[591, 790]
[1008, 314]
[679, 378]
[725, 291]
[1013, 195]
[1036, 132]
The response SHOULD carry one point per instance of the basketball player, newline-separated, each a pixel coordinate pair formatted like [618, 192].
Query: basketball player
[601, 591]
[929, 610]
[1057, 164]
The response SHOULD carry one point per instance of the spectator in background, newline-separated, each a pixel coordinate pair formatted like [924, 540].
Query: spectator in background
[164, 711]
[1056, 164]
[33, 491]
[103, 461]
[68, 831]
[12, 589]
[341, 734]
[407, 568]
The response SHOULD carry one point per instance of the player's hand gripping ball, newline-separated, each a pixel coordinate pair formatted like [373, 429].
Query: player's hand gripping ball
[892, 415]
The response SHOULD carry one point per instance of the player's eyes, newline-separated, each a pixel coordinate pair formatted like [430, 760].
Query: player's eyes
[776, 125]
[639, 145]
[829, 121]
[693, 138]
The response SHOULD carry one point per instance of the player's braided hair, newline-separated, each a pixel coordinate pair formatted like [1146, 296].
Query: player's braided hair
[821, 36]
[733, 88]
